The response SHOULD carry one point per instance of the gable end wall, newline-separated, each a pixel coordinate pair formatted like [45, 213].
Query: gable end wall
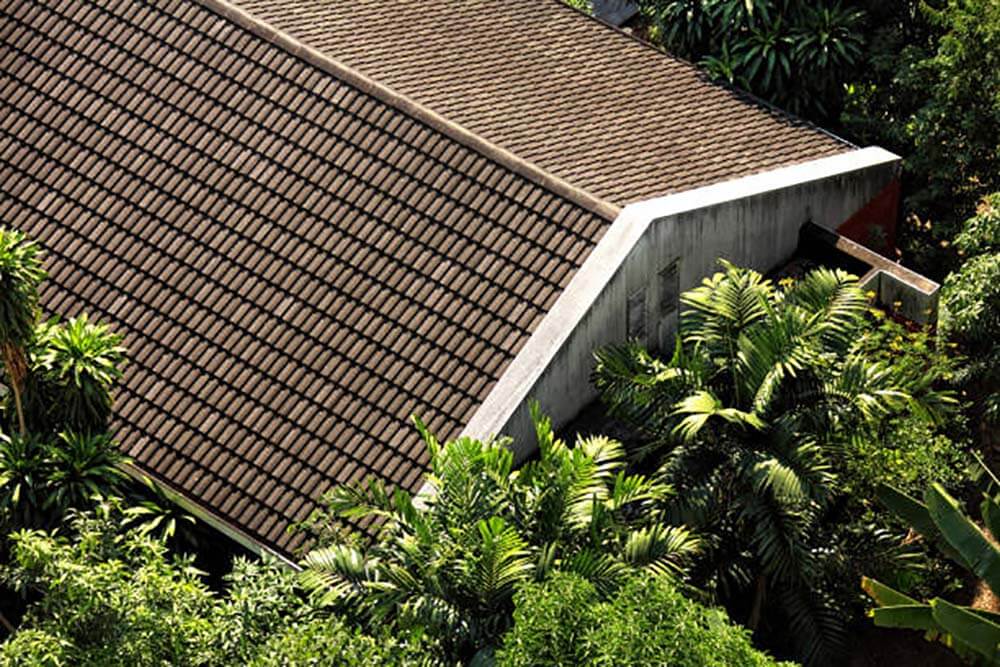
[752, 221]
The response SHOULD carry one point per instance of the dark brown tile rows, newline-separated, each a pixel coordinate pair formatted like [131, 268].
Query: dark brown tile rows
[581, 100]
[297, 265]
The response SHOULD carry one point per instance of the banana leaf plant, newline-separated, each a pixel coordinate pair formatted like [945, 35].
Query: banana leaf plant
[974, 634]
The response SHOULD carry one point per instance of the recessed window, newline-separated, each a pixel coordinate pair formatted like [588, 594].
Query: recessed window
[669, 288]
[636, 316]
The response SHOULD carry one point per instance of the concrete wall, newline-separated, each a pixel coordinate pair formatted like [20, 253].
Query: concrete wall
[914, 300]
[752, 222]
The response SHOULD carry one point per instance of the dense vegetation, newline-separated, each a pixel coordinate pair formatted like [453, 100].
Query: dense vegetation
[973, 633]
[772, 406]
[774, 459]
[919, 77]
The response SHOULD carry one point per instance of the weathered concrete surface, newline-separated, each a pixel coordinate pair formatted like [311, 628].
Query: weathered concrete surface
[752, 221]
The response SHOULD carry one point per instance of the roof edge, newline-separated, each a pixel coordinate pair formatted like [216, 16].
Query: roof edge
[745, 95]
[207, 515]
[317, 58]
[518, 381]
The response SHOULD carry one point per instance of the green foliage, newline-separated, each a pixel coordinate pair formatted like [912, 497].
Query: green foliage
[331, 643]
[563, 621]
[970, 303]
[74, 366]
[107, 599]
[41, 479]
[909, 451]
[262, 602]
[930, 91]
[793, 53]
[910, 454]
[972, 633]
[749, 421]
[583, 5]
[956, 131]
[981, 233]
[448, 564]
[152, 512]
[970, 307]
[110, 598]
[20, 274]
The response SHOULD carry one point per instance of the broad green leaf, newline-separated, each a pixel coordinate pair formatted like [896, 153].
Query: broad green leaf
[969, 628]
[910, 510]
[910, 616]
[981, 555]
[885, 595]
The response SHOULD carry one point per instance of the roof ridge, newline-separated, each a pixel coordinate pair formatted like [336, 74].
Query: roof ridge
[436, 121]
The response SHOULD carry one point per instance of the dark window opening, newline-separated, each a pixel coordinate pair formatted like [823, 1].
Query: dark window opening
[636, 316]
[670, 288]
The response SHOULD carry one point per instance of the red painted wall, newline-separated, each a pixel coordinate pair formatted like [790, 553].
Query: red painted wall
[874, 226]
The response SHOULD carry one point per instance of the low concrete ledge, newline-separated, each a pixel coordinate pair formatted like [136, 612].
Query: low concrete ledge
[897, 288]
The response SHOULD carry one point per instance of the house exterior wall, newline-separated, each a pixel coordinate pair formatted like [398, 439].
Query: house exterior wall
[752, 222]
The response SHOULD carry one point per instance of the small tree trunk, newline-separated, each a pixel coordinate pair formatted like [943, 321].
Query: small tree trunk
[757, 609]
[13, 361]
[6, 624]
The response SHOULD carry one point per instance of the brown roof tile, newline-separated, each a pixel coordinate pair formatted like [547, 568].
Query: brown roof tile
[582, 100]
[298, 258]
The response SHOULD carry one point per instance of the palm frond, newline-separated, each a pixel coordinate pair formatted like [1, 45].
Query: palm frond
[700, 406]
[502, 560]
[603, 571]
[663, 550]
[337, 574]
[836, 298]
[723, 306]
[817, 626]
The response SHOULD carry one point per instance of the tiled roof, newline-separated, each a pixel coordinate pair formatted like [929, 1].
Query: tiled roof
[298, 258]
[584, 101]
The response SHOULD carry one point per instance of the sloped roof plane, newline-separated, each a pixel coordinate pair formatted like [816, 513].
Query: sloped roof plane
[301, 257]
[580, 99]
[296, 263]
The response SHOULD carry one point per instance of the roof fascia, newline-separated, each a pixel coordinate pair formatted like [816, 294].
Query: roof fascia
[207, 516]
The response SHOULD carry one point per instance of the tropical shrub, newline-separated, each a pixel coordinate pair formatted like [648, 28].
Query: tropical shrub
[448, 564]
[748, 421]
[929, 90]
[970, 303]
[956, 131]
[42, 478]
[105, 597]
[972, 633]
[908, 450]
[970, 312]
[793, 53]
[54, 454]
[330, 642]
[73, 368]
[20, 273]
[565, 621]
[981, 233]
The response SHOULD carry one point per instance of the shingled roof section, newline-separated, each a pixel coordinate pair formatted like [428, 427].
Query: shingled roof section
[580, 99]
[296, 263]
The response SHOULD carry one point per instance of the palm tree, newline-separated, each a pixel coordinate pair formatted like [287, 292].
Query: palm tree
[449, 562]
[74, 367]
[20, 274]
[744, 422]
[82, 468]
